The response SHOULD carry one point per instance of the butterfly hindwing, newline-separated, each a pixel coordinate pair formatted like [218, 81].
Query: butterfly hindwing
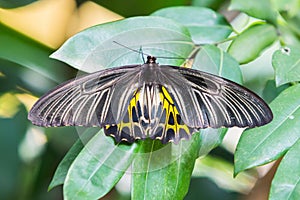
[172, 126]
[128, 129]
[151, 113]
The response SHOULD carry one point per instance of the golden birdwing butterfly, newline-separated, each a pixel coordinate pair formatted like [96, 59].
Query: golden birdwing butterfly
[150, 101]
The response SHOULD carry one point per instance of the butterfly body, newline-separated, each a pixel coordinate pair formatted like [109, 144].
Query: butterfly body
[165, 102]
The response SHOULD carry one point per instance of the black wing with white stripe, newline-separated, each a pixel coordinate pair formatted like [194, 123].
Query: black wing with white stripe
[91, 100]
[207, 100]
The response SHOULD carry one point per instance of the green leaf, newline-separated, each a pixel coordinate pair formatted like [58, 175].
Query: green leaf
[164, 171]
[270, 91]
[63, 167]
[209, 139]
[286, 184]
[250, 43]
[219, 170]
[205, 25]
[98, 167]
[95, 48]
[290, 6]
[293, 23]
[30, 54]
[286, 63]
[213, 60]
[12, 133]
[262, 9]
[262, 145]
[134, 8]
[15, 77]
[14, 3]
[213, 4]
[288, 36]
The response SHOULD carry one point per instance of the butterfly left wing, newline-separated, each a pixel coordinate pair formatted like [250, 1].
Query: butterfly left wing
[91, 100]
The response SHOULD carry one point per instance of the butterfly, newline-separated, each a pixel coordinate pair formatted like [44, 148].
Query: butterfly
[154, 101]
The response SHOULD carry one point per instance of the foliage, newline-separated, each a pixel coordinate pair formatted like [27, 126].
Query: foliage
[94, 164]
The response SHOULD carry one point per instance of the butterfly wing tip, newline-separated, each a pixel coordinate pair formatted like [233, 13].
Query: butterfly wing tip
[31, 117]
[35, 120]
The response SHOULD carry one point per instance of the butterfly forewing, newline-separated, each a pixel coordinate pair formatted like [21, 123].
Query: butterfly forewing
[168, 103]
[217, 102]
[87, 100]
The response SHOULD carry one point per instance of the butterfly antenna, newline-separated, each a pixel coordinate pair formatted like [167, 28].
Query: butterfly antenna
[134, 50]
[145, 54]
[142, 54]
[140, 51]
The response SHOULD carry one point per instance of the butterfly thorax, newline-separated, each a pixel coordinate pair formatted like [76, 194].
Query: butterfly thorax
[151, 59]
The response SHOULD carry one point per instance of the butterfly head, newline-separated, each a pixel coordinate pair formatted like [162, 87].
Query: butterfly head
[151, 59]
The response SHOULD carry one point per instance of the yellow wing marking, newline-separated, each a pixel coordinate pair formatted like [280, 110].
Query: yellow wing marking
[168, 126]
[166, 95]
[173, 120]
[125, 127]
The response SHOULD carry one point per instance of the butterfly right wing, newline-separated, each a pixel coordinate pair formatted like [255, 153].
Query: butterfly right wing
[206, 100]
[92, 100]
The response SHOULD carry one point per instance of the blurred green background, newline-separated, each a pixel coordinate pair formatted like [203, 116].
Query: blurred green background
[29, 154]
